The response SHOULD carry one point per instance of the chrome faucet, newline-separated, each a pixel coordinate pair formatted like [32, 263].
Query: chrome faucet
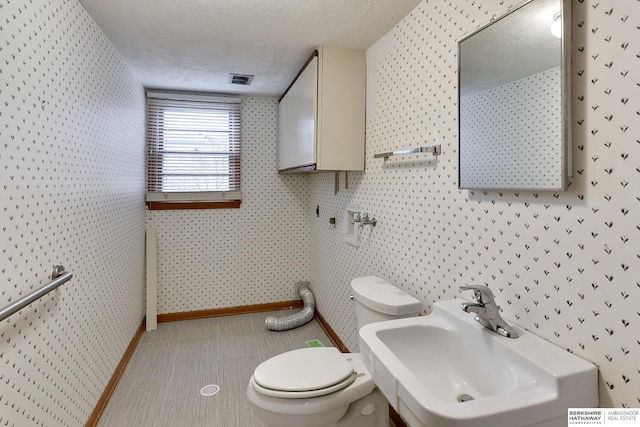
[486, 311]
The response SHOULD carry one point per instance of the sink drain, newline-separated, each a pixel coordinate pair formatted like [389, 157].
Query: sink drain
[465, 398]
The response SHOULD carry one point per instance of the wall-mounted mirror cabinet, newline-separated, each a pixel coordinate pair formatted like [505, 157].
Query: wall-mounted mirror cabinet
[514, 115]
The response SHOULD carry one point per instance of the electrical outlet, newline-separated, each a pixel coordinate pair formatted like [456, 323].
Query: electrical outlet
[298, 284]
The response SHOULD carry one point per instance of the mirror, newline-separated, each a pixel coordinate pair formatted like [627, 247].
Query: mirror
[514, 119]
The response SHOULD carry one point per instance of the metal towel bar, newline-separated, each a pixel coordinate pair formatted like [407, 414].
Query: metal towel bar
[435, 149]
[58, 277]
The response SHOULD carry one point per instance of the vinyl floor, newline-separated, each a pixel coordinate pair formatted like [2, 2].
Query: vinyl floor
[162, 382]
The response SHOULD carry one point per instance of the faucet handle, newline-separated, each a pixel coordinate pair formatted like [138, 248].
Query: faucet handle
[481, 293]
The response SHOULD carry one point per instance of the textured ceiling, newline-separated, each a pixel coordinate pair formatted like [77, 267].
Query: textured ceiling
[195, 44]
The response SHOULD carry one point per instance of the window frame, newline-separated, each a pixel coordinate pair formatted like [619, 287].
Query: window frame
[164, 200]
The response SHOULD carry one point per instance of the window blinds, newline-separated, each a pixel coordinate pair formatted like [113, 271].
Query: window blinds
[193, 145]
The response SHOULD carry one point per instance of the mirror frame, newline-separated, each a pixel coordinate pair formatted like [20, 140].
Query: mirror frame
[566, 119]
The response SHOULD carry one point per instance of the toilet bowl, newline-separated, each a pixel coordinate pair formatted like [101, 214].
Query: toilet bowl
[316, 396]
[321, 387]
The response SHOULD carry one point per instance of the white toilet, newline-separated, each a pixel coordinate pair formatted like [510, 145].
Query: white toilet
[321, 387]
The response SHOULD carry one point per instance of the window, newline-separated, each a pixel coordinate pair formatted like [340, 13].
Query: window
[193, 150]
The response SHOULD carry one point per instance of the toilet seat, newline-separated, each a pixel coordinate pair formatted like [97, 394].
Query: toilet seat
[304, 373]
[314, 411]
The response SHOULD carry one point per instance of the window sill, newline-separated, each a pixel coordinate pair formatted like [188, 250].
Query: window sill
[189, 204]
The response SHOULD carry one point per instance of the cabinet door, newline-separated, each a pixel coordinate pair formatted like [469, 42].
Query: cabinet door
[284, 137]
[297, 139]
[341, 110]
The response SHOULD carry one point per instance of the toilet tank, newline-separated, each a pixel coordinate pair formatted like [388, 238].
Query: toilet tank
[377, 300]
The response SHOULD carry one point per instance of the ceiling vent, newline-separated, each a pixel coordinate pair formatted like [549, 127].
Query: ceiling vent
[240, 79]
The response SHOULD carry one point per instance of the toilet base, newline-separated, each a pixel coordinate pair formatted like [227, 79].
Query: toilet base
[272, 419]
[371, 410]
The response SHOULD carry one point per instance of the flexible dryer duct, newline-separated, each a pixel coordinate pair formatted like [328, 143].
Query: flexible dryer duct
[297, 319]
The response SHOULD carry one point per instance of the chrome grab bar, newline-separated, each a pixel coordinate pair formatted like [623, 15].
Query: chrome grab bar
[435, 149]
[58, 277]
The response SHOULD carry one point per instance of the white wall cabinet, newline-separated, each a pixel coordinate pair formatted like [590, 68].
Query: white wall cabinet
[321, 117]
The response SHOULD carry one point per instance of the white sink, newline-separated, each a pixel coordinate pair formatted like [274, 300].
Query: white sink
[446, 370]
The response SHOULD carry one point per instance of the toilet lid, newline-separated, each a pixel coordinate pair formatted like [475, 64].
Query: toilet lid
[303, 394]
[305, 369]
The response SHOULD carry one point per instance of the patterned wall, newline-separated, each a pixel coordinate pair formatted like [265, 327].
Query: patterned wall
[563, 265]
[496, 154]
[234, 257]
[72, 174]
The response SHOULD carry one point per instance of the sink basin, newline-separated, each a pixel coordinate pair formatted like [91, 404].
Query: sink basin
[447, 370]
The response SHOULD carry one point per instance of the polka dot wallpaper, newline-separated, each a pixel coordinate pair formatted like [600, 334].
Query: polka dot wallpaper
[234, 257]
[563, 265]
[72, 176]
